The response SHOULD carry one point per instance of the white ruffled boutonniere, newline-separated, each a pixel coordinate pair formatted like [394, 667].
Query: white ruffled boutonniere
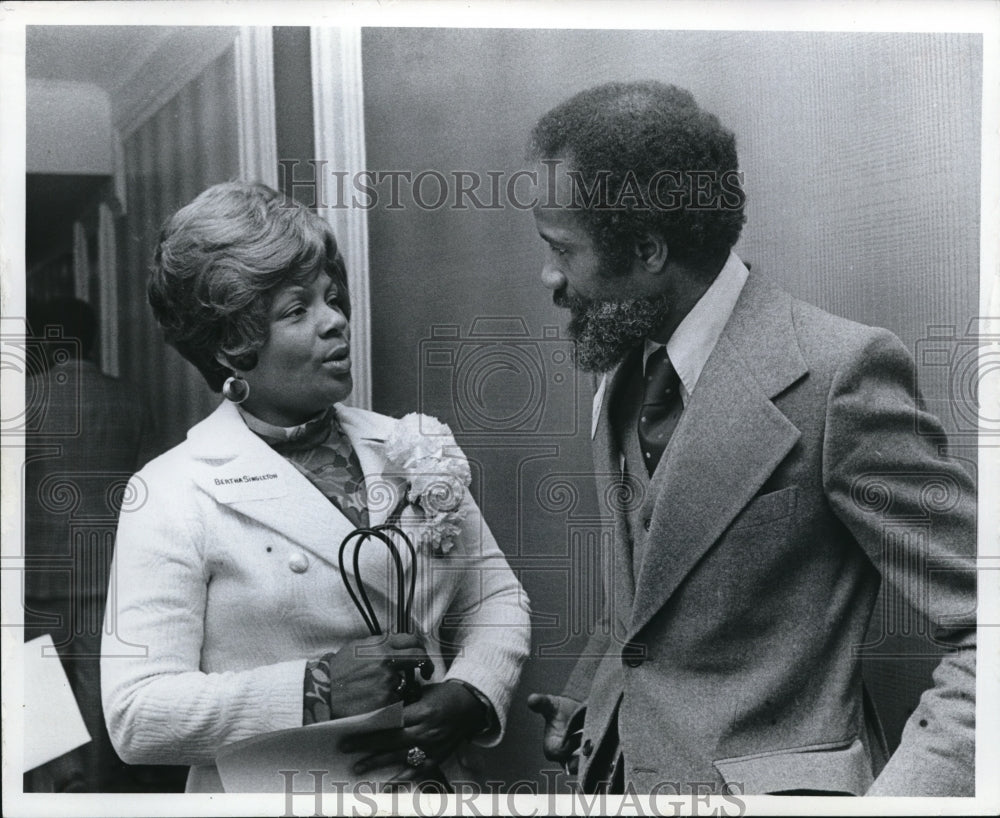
[422, 451]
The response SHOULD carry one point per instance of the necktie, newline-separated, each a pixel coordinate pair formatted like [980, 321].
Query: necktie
[661, 407]
[323, 453]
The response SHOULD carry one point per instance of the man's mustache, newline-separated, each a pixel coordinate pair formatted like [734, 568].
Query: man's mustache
[576, 303]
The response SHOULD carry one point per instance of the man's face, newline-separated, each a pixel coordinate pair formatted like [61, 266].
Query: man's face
[611, 310]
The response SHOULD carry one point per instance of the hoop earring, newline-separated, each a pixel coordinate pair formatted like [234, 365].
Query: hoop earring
[235, 389]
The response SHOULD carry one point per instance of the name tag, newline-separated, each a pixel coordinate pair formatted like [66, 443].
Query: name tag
[249, 484]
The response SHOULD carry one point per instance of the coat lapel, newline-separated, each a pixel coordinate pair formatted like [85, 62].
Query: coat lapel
[730, 439]
[241, 471]
[368, 432]
[607, 462]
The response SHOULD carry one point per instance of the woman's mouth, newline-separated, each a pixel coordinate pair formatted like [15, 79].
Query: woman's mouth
[339, 360]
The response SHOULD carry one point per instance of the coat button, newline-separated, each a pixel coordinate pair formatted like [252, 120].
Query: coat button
[634, 654]
[298, 562]
[646, 524]
[587, 748]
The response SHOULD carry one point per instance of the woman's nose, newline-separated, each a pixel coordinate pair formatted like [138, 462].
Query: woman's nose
[332, 320]
[552, 277]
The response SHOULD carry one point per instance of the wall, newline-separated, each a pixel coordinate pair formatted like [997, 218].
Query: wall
[70, 128]
[293, 109]
[861, 159]
[188, 145]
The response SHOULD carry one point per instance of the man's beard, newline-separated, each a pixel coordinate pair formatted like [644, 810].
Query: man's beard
[606, 331]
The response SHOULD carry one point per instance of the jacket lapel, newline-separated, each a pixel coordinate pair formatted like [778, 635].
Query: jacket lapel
[608, 464]
[368, 432]
[241, 471]
[730, 439]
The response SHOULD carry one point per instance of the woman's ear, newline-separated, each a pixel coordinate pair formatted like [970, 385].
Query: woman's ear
[651, 252]
[243, 362]
[222, 359]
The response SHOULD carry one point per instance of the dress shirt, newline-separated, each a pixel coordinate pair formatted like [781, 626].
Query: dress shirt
[696, 336]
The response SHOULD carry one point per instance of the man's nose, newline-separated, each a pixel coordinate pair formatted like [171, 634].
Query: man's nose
[552, 277]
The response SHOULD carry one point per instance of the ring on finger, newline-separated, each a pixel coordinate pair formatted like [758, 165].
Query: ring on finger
[403, 683]
[415, 757]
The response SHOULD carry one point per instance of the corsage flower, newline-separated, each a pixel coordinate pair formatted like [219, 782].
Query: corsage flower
[423, 452]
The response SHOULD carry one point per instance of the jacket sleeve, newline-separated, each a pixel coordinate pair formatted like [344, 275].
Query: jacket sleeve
[489, 619]
[913, 510]
[159, 706]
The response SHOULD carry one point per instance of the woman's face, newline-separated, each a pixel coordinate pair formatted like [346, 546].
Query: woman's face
[305, 365]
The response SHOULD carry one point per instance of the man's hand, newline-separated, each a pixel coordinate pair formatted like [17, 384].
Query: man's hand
[563, 727]
[446, 715]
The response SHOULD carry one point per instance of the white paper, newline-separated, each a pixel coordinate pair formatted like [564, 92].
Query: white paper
[53, 724]
[255, 764]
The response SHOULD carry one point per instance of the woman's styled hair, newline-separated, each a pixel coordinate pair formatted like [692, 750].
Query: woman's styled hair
[659, 163]
[217, 266]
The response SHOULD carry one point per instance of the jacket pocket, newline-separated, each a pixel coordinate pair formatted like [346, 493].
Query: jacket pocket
[839, 767]
[767, 507]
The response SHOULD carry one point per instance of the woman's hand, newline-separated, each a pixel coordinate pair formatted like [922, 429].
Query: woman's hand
[446, 714]
[366, 674]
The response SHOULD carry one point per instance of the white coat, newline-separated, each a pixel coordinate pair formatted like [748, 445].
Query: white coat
[226, 580]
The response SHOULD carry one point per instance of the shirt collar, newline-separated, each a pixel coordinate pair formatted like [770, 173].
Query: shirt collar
[282, 434]
[696, 336]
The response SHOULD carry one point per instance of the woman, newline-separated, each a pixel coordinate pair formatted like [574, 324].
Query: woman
[227, 556]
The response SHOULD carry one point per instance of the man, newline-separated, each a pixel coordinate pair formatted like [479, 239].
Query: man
[767, 442]
[89, 439]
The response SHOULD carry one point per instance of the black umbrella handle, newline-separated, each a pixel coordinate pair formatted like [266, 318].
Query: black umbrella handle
[359, 596]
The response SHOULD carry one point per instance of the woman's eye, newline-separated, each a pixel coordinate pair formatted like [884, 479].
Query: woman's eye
[294, 312]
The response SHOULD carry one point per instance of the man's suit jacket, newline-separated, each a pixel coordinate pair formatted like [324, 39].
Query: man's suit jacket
[227, 576]
[795, 476]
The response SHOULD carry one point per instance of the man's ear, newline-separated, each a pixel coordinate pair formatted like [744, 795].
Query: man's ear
[651, 252]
